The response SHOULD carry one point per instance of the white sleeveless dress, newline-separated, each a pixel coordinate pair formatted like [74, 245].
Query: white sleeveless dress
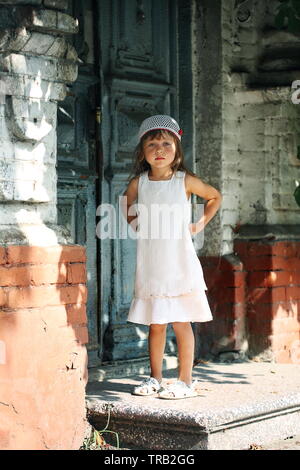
[169, 282]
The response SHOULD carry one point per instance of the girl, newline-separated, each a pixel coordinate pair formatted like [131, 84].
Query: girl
[169, 283]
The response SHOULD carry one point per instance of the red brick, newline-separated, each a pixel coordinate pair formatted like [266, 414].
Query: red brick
[230, 264]
[287, 249]
[240, 247]
[230, 310]
[210, 262]
[3, 297]
[284, 340]
[286, 325]
[292, 293]
[81, 333]
[16, 276]
[221, 296]
[288, 264]
[212, 276]
[270, 310]
[283, 356]
[259, 343]
[258, 325]
[2, 255]
[45, 255]
[76, 314]
[293, 308]
[295, 277]
[48, 274]
[239, 294]
[295, 352]
[32, 275]
[271, 278]
[73, 294]
[53, 316]
[258, 263]
[228, 294]
[73, 254]
[233, 279]
[76, 273]
[38, 296]
[278, 294]
[266, 295]
[258, 249]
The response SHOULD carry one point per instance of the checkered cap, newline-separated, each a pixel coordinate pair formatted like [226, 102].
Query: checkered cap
[160, 121]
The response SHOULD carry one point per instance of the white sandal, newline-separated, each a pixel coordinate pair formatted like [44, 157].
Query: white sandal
[179, 390]
[149, 385]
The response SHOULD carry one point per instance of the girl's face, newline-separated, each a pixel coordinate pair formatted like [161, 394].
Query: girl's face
[160, 151]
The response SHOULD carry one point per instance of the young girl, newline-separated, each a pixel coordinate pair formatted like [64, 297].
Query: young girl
[169, 283]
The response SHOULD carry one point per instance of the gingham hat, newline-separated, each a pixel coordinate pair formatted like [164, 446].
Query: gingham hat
[160, 121]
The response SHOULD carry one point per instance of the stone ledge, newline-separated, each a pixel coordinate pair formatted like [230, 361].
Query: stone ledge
[35, 235]
[269, 232]
[56, 69]
[37, 19]
[38, 44]
[23, 86]
[238, 405]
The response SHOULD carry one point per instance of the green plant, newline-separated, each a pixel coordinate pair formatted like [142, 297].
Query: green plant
[96, 440]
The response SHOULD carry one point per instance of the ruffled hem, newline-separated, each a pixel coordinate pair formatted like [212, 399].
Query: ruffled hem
[168, 295]
[184, 308]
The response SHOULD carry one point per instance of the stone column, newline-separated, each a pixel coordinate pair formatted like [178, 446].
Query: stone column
[43, 325]
[36, 63]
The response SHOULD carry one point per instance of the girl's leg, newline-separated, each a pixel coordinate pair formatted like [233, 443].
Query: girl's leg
[185, 345]
[157, 343]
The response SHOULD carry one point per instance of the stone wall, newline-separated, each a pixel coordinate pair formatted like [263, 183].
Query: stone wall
[36, 63]
[260, 126]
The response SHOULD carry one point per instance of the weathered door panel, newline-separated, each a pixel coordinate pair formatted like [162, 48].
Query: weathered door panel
[139, 78]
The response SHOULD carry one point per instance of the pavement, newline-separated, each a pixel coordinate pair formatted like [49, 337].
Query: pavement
[240, 405]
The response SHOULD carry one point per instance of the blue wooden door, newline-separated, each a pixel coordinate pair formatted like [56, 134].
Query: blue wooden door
[139, 77]
[78, 163]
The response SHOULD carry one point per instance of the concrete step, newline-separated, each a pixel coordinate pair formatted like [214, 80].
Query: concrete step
[239, 406]
[288, 443]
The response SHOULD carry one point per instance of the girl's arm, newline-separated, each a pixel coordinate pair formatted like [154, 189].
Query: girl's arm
[194, 185]
[131, 194]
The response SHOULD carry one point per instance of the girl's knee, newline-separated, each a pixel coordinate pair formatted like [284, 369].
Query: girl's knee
[181, 325]
[157, 327]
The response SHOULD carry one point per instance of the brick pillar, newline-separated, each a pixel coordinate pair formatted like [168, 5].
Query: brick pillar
[225, 279]
[255, 299]
[272, 298]
[43, 360]
[43, 332]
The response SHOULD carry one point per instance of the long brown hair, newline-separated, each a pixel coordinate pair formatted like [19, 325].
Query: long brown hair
[140, 164]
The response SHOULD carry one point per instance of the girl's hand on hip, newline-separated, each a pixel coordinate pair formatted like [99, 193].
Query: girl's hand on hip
[195, 228]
